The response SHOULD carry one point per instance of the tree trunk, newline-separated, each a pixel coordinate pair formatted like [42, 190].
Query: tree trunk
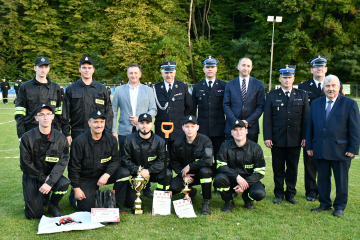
[189, 29]
[207, 21]
[194, 25]
[203, 20]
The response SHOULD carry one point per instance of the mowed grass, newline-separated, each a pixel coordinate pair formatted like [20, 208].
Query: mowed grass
[266, 221]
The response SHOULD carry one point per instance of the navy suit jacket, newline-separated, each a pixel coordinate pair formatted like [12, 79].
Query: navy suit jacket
[330, 139]
[250, 109]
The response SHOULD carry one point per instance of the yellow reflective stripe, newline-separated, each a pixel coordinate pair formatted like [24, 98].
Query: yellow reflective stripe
[58, 110]
[60, 192]
[51, 159]
[152, 158]
[220, 163]
[205, 180]
[99, 101]
[53, 103]
[260, 170]
[104, 160]
[249, 166]
[123, 179]
[20, 110]
[197, 160]
[159, 186]
[223, 189]
[250, 197]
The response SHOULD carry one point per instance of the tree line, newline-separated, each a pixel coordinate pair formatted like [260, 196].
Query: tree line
[149, 32]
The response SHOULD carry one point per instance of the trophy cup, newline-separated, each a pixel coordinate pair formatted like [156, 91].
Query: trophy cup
[138, 184]
[186, 191]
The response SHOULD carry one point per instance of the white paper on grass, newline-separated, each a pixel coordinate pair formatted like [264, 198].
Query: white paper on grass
[48, 225]
[161, 203]
[184, 208]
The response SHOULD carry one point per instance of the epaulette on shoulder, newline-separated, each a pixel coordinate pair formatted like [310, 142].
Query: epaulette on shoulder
[272, 91]
[301, 90]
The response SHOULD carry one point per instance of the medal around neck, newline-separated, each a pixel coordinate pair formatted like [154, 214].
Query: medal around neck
[138, 184]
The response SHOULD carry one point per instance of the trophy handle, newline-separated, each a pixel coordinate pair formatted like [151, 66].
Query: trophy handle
[131, 182]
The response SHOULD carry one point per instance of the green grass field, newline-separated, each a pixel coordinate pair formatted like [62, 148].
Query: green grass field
[266, 221]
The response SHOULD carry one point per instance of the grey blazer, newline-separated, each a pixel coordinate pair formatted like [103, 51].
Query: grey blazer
[121, 100]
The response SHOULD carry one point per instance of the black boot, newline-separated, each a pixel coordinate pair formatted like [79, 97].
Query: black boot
[249, 205]
[205, 210]
[148, 193]
[54, 210]
[193, 194]
[228, 206]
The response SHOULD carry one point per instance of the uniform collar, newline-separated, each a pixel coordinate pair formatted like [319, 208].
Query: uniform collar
[45, 84]
[93, 141]
[38, 134]
[244, 147]
[83, 84]
[139, 140]
[195, 142]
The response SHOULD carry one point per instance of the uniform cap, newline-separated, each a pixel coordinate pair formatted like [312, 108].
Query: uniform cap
[210, 61]
[86, 59]
[239, 123]
[168, 66]
[145, 116]
[190, 118]
[41, 106]
[97, 114]
[318, 60]
[287, 70]
[42, 61]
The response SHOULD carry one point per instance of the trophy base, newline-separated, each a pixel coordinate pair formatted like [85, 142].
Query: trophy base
[137, 212]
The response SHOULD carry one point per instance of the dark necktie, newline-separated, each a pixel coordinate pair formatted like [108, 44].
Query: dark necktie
[328, 109]
[243, 89]
[169, 91]
[210, 82]
[287, 95]
[319, 88]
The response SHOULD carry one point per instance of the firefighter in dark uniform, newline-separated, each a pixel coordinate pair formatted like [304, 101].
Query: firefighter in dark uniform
[314, 88]
[37, 91]
[5, 87]
[44, 155]
[81, 98]
[107, 87]
[173, 101]
[240, 166]
[191, 159]
[94, 162]
[146, 150]
[207, 97]
[285, 118]
[17, 87]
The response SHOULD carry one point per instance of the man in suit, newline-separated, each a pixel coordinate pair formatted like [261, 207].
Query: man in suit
[314, 89]
[132, 99]
[332, 139]
[173, 100]
[244, 99]
[207, 97]
[285, 118]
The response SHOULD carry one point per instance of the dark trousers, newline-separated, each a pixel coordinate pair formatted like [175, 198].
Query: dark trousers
[281, 157]
[34, 199]
[129, 194]
[311, 189]
[252, 137]
[341, 175]
[89, 187]
[202, 176]
[5, 96]
[225, 186]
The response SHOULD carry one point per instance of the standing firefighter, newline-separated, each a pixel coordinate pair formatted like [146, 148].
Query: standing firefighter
[5, 87]
[173, 100]
[44, 154]
[81, 98]
[39, 90]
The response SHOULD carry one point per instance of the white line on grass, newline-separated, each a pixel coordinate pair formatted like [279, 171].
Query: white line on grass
[7, 108]
[10, 157]
[8, 122]
[8, 150]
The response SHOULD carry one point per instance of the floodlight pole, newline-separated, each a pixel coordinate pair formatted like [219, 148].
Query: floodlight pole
[272, 53]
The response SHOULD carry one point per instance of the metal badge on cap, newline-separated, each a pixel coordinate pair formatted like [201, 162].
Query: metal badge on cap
[86, 58]
[237, 122]
[145, 115]
[190, 118]
[43, 105]
[43, 59]
[98, 113]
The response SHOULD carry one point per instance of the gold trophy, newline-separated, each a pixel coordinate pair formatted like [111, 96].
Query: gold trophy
[138, 184]
[186, 191]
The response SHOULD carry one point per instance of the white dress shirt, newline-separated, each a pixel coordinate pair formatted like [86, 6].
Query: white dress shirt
[133, 97]
[246, 81]
[207, 82]
[332, 104]
[317, 83]
[287, 91]
[167, 85]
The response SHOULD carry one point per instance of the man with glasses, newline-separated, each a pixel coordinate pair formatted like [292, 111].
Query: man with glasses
[44, 154]
[314, 89]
